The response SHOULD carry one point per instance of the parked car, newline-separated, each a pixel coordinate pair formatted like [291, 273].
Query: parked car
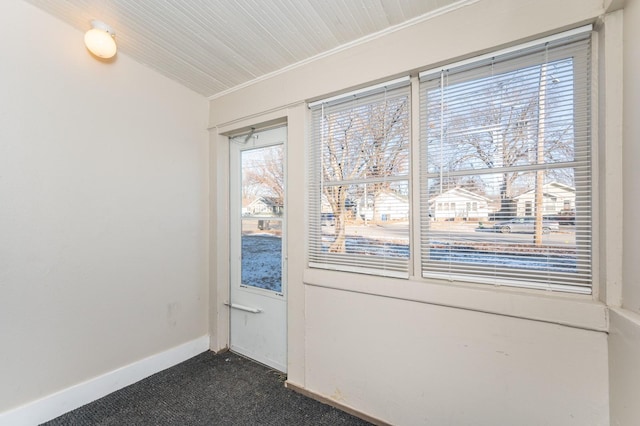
[327, 219]
[564, 217]
[525, 225]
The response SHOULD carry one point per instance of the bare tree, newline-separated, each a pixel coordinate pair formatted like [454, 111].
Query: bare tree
[263, 175]
[496, 124]
[365, 142]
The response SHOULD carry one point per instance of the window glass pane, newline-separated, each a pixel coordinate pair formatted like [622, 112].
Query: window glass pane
[496, 121]
[507, 148]
[374, 222]
[262, 253]
[502, 232]
[359, 195]
[263, 181]
[368, 141]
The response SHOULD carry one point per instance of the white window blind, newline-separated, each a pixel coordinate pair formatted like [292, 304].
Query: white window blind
[506, 168]
[359, 181]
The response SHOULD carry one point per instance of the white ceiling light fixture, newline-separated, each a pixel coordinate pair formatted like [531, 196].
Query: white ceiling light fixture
[100, 40]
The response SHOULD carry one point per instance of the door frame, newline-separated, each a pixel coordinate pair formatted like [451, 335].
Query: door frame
[296, 116]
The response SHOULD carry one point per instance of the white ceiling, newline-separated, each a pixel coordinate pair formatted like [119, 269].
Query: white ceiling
[213, 46]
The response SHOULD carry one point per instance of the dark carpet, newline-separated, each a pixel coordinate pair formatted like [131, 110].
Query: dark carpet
[223, 389]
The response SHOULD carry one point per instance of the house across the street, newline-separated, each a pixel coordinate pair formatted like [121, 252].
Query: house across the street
[556, 197]
[458, 203]
[263, 206]
[386, 206]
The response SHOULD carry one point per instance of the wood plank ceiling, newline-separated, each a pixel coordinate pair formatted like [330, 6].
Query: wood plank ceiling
[215, 46]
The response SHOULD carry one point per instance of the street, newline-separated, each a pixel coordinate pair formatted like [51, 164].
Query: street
[454, 231]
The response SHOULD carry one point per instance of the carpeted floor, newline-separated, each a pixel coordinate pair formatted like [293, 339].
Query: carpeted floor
[208, 389]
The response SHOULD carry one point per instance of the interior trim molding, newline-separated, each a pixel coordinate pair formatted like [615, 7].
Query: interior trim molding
[630, 316]
[569, 310]
[58, 403]
[418, 19]
[333, 403]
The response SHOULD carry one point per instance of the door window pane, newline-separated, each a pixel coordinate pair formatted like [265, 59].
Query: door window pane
[263, 182]
[262, 211]
[262, 253]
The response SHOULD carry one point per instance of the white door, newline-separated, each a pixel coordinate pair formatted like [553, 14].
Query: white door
[258, 316]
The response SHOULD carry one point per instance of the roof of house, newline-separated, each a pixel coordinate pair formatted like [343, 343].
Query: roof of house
[545, 189]
[462, 193]
[269, 201]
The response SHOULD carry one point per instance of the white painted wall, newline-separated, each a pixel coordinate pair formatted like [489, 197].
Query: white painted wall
[624, 367]
[414, 351]
[411, 363]
[103, 210]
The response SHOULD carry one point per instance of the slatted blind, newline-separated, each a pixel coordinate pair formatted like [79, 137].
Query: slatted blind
[505, 162]
[359, 181]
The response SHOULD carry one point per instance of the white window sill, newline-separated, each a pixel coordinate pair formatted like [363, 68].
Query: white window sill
[629, 316]
[557, 308]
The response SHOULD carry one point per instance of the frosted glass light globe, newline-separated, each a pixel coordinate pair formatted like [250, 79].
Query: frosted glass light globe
[100, 40]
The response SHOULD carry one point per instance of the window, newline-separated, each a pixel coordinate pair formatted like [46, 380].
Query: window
[505, 172]
[514, 131]
[359, 174]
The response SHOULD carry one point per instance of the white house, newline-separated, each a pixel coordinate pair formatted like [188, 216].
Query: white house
[386, 206]
[557, 197]
[459, 203]
[263, 206]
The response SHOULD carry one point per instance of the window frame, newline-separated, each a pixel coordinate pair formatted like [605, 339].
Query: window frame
[415, 182]
[592, 146]
[346, 262]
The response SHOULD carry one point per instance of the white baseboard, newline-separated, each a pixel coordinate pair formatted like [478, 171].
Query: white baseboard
[76, 396]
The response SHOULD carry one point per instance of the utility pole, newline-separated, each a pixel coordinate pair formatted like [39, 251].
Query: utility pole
[542, 95]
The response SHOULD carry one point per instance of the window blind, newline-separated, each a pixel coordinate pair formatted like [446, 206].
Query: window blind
[505, 165]
[359, 181]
